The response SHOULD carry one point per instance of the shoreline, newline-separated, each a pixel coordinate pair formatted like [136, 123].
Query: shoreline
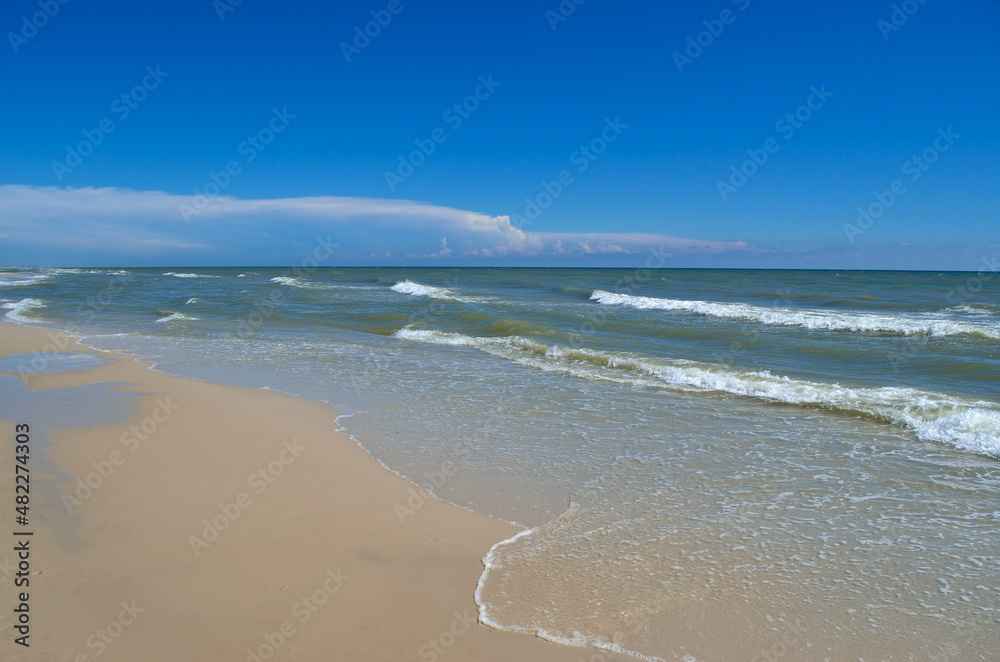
[233, 555]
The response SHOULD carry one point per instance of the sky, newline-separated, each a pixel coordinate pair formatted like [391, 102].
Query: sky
[722, 133]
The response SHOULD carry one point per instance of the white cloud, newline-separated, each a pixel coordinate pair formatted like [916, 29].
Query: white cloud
[134, 224]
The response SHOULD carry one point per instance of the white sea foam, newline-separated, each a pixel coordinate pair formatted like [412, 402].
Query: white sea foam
[971, 425]
[55, 271]
[418, 290]
[978, 310]
[294, 282]
[290, 281]
[302, 284]
[486, 617]
[18, 309]
[176, 275]
[18, 279]
[806, 318]
[176, 317]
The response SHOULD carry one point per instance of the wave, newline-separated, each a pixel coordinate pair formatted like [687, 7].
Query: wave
[806, 318]
[299, 283]
[176, 275]
[310, 285]
[418, 290]
[59, 271]
[18, 309]
[490, 563]
[970, 425]
[174, 317]
[18, 279]
[977, 309]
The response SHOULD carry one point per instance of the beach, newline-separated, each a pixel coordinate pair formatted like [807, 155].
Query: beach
[665, 464]
[500, 331]
[226, 523]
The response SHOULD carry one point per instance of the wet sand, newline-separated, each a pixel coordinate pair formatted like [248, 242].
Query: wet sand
[220, 523]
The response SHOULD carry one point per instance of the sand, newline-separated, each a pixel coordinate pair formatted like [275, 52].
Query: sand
[233, 524]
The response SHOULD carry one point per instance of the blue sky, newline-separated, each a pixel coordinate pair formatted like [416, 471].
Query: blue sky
[266, 88]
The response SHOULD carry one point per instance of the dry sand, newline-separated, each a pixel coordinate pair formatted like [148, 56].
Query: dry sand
[119, 578]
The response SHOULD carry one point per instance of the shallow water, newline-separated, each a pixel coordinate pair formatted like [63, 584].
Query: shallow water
[719, 464]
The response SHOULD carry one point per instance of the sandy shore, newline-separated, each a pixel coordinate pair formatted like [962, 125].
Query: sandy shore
[225, 523]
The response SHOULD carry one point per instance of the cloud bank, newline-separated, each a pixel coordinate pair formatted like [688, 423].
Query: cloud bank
[69, 226]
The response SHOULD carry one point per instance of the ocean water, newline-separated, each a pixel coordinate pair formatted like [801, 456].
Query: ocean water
[710, 464]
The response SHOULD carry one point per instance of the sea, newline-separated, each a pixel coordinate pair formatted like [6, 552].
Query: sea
[706, 464]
